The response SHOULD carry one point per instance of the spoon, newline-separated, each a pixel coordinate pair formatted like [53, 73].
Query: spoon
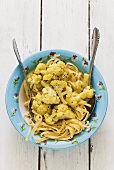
[25, 76]
[95, 42]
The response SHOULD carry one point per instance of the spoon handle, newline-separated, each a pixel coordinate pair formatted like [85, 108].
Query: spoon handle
[95, 42]
[21, 65]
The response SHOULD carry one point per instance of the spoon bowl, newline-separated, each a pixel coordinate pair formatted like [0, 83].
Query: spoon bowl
[92, 102]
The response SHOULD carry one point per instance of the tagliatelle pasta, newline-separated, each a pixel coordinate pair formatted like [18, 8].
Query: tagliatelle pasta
[60, 94]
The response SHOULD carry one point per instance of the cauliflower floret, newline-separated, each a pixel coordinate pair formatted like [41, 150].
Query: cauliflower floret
[41, 68]
[79, 85]
[61, 111]
[47, 77]
[58, 87]
[56, 68]
[38, 107]
[87, 93]
[49, 96]
[34, 82]
[72, 99]
[51, 119]
[34, 79]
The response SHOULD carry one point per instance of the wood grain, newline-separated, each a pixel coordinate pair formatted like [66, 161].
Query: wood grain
[65, 26]
[102, 16]
[19, 20]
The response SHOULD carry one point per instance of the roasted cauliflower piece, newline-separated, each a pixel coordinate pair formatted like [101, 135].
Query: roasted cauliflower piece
[56, 68]
[72, 99]
[47, 77]
[39, 107]
[65, 93]
[58, 87]
[51, 119]
[60, 111]
[41, 69]
[34, 82]
[87, 93]
[49, 96]
[63, 112]
[79, 84]
[34, 79]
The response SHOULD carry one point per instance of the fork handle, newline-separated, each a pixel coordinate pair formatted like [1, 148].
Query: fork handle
[21, 65]
[95, 42]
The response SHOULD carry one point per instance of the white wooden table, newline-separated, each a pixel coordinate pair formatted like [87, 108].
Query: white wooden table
[47, 24]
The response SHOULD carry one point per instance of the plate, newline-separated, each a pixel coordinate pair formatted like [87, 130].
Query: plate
[15, 97]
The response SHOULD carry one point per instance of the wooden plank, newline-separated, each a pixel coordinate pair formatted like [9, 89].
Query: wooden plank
[19, 20]
[66, 159]
[64, 25]
[102, 16]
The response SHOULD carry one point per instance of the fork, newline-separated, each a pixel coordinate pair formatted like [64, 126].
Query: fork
[25, 76]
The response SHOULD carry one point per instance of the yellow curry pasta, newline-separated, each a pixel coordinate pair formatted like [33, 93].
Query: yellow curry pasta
[60, 94]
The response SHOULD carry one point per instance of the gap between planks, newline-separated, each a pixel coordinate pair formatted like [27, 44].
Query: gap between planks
[89, 32]
[39, 152]
[89, 55]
